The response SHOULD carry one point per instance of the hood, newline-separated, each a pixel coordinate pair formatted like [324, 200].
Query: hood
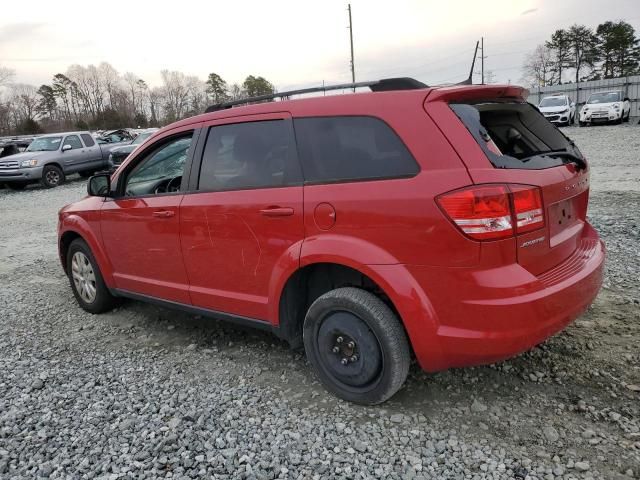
[601, 105]
[553, 109]
[124, 149]
[25, 156]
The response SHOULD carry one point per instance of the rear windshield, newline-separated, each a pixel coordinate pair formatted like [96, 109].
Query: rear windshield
[516, 135]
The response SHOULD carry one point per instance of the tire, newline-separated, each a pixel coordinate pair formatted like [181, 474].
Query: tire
[86, 174]
[52, 176]
[626, 119]
[81, 261]
[17, 186]
[582, 124]
[354, 326]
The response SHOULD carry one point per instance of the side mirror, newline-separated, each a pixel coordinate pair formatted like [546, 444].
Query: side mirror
[99, 185]
[66, 147]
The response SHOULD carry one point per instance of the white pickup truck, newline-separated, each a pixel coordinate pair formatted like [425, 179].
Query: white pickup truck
[50, 158]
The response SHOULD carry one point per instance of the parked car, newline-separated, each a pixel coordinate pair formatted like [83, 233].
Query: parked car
[50, 158]
[445, 223]
[121, 135]
[118, 154]
[606, 107]
[558, 109]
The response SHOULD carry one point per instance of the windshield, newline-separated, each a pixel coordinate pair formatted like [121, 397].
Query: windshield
[45, 144]
[553, 102]
[606, 97]
[141, 138]
[516, 135]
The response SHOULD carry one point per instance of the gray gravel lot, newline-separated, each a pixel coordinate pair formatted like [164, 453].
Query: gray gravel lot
[144, 392]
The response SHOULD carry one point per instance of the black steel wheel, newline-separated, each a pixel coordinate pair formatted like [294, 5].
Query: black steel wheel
[356, 345]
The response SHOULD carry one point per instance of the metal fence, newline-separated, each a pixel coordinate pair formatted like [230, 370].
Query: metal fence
[580, 92]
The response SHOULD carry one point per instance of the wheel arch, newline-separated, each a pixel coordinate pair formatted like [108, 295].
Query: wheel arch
[311, 281]
[80, 229]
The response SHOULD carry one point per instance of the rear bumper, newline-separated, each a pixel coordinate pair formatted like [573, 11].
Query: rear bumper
[490, 315]
[21, 175]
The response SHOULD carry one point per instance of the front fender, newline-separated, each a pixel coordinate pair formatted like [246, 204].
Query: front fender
[81, 226]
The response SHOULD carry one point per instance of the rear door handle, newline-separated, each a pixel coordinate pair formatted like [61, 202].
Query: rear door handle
[163, 214]
[277, 211]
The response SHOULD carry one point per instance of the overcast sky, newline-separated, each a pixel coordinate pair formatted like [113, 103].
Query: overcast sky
[290, 42]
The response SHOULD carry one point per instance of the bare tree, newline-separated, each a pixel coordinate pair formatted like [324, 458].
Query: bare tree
[6, 75]
[25, 100]
[538, 67]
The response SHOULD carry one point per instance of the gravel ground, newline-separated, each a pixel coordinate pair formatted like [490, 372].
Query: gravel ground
[144, 392]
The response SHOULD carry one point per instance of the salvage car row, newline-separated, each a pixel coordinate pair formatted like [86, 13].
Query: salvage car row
[601, 108]
[49, 159]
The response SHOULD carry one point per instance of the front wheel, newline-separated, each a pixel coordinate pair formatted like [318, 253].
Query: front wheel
[356, 345]
[626, 119]
[86, 280]
[52, 176]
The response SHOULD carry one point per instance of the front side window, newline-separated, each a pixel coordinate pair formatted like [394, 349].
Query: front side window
[334, 149]
[73, 141]
[45, 144]
[161, 170]
[248, 155]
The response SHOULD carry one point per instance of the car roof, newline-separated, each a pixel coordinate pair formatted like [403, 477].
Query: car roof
[61, 134]
[344, 104]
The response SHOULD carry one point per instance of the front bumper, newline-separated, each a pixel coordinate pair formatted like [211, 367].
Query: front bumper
[602, 117]
[484, 316]
[30, 174]
[557, 117]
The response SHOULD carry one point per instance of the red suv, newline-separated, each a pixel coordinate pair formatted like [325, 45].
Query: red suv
[445, 223]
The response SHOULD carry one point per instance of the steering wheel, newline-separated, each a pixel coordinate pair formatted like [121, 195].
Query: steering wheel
[173, 185]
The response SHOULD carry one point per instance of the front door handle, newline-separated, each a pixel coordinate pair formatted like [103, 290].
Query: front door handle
[277, 212]
[163, 214]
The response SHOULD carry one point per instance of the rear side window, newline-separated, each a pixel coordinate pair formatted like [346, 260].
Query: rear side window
[516, 135]
[249, 155]
[88, 140]
[335, 149]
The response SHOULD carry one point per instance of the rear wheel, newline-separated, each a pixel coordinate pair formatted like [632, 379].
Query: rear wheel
[86, 174]
[356, 345]
[52, 176]
[86, 280]
[16, 185]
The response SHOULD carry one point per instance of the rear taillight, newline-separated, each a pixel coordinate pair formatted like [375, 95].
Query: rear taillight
[492, 212]
[527, 205]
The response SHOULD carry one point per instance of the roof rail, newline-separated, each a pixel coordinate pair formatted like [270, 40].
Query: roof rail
[384, 85]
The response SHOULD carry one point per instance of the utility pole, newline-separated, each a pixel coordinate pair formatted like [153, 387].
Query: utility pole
[353, 67]
[482, 57]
